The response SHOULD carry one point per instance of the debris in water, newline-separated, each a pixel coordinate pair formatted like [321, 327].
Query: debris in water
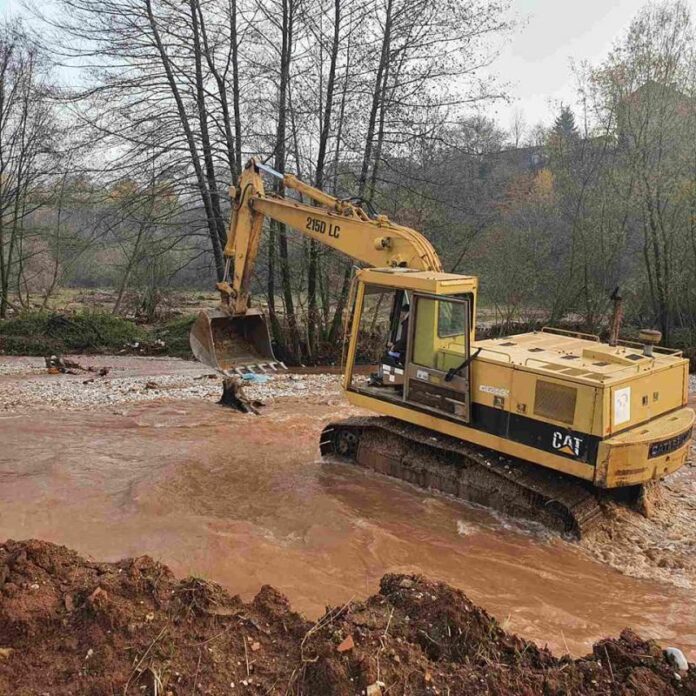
[57, 364]
[253, 378]
[176, 379]
[234, 397]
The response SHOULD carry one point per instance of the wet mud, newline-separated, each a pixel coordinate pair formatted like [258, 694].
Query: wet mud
[245, 501]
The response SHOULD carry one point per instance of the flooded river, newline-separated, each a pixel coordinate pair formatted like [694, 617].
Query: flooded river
[245, 501]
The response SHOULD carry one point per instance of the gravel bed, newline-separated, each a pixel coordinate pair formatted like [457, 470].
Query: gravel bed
[22, 366]
[87, 390]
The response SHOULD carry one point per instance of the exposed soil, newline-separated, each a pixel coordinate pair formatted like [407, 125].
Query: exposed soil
[73, 626]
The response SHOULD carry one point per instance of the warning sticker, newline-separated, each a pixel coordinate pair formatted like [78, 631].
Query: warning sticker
[622, 405]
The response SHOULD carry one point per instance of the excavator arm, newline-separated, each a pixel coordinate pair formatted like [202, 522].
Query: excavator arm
[236, 335]
[336, 223]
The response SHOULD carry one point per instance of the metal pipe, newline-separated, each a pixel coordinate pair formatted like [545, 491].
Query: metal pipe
[269, 170]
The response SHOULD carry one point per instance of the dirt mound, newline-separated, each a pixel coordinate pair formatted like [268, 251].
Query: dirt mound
[73, 626]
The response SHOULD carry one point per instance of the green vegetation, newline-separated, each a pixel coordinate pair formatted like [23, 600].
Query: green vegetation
[44, 333]
[48, 333]
[175, 335]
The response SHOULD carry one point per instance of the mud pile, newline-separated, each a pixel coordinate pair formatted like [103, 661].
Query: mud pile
[73, 626]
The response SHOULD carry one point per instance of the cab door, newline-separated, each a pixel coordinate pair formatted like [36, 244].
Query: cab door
[437, 370]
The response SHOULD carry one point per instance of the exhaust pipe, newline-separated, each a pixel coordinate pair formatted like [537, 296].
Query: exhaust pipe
[649, 338]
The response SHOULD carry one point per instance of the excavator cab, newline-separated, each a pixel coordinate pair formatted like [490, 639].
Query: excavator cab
[416, 327]
[233, 343]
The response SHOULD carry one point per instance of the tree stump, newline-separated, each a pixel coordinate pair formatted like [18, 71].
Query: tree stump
[233, 396]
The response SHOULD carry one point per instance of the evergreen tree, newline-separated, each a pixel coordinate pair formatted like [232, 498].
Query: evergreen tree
[564, 125]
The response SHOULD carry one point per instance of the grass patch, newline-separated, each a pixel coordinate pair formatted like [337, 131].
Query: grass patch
[46, 333]
[175, 335]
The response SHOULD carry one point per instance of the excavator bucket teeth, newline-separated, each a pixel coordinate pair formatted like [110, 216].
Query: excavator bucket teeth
[229, 343]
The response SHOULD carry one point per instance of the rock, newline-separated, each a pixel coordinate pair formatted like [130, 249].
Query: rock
[346, 644]
[406, 584]
[69, 602]
[374, 689]
[676, 658]
[151, 385]
[97, 596]
[5, 653]
[256, 646]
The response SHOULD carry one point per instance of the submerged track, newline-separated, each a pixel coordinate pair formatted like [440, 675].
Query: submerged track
[448, 465]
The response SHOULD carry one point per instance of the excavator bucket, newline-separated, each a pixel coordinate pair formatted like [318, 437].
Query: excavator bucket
[232, 343]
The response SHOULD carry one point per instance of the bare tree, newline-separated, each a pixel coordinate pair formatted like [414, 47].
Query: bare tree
[27, 131]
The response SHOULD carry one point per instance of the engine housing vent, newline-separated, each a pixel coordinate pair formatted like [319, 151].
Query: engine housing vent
[555, 401]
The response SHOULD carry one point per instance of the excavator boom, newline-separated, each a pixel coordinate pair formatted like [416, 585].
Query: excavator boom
[235, 336]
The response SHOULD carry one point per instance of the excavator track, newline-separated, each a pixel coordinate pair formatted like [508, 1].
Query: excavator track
[442, 463]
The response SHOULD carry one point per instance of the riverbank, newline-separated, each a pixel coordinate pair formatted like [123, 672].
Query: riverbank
[71, 625]
[141, 459]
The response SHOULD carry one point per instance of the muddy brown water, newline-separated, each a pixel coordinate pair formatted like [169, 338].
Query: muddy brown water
[245, 500]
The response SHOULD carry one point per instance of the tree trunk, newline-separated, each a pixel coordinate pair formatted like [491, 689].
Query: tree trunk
[377, 94]
[312, 309]
[279, 164]
[218, 222]
[231, 145]
[337, 320]
[191, 144]
[234, 43]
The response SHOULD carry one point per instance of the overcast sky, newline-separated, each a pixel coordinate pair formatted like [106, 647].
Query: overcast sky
[536, 61]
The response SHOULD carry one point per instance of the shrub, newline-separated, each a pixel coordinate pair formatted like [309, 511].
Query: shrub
[43, 333]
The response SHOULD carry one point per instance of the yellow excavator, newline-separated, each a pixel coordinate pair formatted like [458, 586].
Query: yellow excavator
[539, 425]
